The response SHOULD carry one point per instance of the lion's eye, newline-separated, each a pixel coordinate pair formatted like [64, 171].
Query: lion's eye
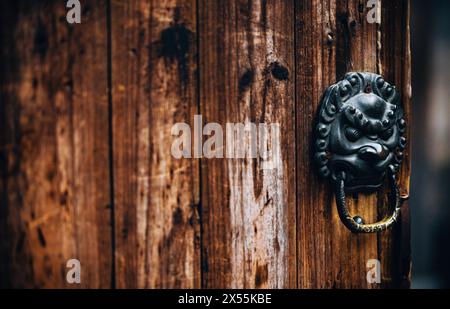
[352, 134]
[387, 134]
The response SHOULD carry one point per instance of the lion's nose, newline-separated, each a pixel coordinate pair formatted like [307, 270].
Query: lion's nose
[373, 153]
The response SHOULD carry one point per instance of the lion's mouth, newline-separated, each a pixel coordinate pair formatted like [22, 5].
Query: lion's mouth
[369, 183]
[355, 179]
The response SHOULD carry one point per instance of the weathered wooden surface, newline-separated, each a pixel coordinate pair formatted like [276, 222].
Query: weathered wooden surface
[156, 196]
[55, 200]
[395, 65]
[334, 38]
[88, 173]
[248, 212]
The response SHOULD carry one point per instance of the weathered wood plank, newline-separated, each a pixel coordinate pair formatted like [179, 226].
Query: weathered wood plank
[357, 43]
[333, 38]
[54, 196]
[247, 75]
[156, 196]
[395, 65]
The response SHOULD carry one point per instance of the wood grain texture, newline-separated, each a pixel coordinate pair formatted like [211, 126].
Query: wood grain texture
[334, 38]
[247, 75]
[395, 65]
[86, 118]
[54, 146]
[156, 196]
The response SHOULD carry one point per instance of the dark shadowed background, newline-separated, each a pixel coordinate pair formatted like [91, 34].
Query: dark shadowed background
[430, 180]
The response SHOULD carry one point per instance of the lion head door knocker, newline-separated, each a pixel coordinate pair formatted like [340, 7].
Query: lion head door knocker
[359, 141]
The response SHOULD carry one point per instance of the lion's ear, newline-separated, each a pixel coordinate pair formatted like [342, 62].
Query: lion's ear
[329, 106]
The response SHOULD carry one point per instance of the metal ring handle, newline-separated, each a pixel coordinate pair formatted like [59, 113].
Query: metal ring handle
[350, 222]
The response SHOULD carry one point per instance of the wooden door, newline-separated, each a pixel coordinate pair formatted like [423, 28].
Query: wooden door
[86, 118]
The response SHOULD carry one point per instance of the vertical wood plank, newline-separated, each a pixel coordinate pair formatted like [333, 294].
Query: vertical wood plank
[357, 51]
[54, 196]
[333, 38]
[247, 75]
[395, 64]
[315, 69]
[156, 196]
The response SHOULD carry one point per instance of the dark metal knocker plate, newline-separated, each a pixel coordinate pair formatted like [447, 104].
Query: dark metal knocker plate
[360, 141]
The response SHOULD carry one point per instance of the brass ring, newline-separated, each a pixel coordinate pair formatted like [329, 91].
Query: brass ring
[349, 220]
